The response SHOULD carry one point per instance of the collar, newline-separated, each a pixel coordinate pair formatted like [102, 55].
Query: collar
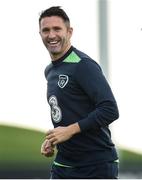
[58, 61]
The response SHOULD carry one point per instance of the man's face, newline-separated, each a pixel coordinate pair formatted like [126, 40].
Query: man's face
[55, 35]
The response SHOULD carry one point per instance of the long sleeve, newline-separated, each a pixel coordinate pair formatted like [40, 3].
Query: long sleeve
[92, 81]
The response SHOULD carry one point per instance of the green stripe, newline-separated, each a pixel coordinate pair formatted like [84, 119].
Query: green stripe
[61, 165]
[72, 58]
[117, 160]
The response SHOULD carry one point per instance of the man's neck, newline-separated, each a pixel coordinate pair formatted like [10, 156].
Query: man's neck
[55, 57]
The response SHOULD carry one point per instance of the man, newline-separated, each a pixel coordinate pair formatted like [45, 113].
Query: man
[82, 106]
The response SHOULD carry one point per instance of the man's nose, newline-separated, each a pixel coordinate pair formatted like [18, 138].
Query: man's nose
[51, 34]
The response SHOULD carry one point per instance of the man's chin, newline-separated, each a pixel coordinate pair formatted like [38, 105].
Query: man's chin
[55, 53]
[53, 50]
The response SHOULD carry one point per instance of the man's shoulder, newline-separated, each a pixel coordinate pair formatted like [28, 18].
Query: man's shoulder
[81, 54]
[47, 69]
[85, 58]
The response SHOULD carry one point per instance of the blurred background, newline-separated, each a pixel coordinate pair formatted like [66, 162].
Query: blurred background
[110, 31]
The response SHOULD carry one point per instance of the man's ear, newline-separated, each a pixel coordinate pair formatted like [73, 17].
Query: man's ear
[70, 31]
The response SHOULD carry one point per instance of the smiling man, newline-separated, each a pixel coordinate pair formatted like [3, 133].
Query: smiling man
[82, 106]
[56, 35]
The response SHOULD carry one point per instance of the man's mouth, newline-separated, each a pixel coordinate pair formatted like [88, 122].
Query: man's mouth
[53, 43]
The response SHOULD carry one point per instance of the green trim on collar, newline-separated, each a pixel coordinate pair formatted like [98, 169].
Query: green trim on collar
[72, 58]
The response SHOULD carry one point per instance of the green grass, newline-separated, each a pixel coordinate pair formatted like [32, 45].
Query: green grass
[129, 156]
[20, 148]
[131, 161]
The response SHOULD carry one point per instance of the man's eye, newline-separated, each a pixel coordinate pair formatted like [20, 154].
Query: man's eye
[45, 30]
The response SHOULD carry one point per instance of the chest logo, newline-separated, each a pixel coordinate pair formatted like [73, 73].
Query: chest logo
[63, 80]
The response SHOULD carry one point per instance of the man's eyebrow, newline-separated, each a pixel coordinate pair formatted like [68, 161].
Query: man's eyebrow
[45, 29]
[54, 27]
[57, 27]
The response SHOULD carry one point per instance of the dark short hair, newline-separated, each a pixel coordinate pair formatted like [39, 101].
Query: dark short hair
[55, 11]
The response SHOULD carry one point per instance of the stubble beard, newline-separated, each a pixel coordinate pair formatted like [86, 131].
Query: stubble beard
[59, 51]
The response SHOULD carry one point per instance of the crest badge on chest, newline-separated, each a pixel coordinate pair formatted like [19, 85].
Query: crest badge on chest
[63, 80]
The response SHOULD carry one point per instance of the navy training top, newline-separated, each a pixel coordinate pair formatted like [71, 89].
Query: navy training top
[77, 91]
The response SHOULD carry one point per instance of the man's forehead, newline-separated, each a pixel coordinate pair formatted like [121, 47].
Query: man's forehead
[53, 20]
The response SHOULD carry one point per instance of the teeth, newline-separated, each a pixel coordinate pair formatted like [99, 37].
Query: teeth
[53, 42]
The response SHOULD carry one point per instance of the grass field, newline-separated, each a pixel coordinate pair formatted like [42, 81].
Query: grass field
[20, 150]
